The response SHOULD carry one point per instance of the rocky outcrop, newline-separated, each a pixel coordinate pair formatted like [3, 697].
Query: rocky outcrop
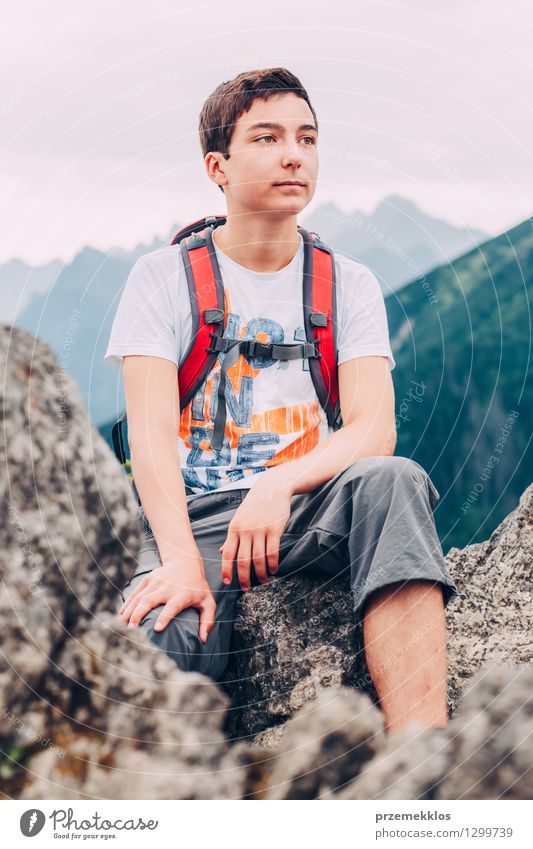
[91, 709]
[291, 637]
[297, 633]
[334, 748]
[483, 753]
[324, 746]
[95, 708]
[125, 723]
[493, 624]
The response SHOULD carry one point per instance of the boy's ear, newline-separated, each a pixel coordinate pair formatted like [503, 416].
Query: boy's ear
[214, 162]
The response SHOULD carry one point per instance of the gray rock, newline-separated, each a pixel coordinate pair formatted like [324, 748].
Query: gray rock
[131, 725]
[485, 752]
[409, 766]
[290, 637]
[68, 540]
[493, 624]
[94, 707]
[491, 738]
[296, 632]
[324, 746]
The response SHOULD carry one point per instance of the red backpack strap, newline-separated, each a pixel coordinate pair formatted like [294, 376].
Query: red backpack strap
[206, 296]
[207, 308]
[197, 226]
[320, 320]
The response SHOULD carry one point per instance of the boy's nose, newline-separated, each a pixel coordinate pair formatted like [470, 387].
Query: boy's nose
[292, 154]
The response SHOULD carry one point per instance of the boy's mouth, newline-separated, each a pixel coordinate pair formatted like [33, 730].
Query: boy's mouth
[290, 183]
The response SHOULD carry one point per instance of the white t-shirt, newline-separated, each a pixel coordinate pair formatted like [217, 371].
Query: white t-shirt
[273, 414]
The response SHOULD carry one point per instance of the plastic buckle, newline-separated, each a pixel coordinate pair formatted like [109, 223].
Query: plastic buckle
[213, 316]
[316, 353]
[258, 349]
[212, 350]
[310, 349]
[319, 319]
[195, 242]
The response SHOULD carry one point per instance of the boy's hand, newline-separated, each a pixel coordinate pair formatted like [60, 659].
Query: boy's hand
[177, 586]
[254, 534]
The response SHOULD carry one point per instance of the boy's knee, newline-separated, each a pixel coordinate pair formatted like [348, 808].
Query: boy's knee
[384, 468]
[181, 642]
[179, 639]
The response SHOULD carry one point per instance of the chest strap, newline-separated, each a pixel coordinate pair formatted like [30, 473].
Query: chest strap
[232, 349]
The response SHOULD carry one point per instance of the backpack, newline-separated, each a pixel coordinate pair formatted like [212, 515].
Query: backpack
[206, 295]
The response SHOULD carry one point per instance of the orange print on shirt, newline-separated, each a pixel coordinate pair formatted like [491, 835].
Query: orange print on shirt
[303, 418]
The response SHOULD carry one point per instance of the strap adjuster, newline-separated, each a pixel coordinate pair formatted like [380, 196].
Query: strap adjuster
[310, 349]
[215, 342]
[195, 241]
[213, 316]
[319, 319]
[258, 349]
[254, 348]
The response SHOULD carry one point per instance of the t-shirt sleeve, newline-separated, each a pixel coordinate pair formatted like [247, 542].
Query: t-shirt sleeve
[362, 328]
[144, 322]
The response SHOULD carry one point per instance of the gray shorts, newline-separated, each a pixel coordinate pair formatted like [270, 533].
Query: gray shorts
[373, 519]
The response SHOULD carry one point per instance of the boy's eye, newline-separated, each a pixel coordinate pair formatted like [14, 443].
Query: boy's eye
[311, 139]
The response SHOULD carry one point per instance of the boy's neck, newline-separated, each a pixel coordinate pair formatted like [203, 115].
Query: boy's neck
[258, 245]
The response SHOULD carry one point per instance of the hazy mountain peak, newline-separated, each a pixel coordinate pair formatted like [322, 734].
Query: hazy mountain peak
[395, 202]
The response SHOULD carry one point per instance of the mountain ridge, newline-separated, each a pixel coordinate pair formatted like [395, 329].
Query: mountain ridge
[38, 279]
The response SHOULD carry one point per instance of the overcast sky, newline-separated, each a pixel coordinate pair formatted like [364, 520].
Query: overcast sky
[99, 104]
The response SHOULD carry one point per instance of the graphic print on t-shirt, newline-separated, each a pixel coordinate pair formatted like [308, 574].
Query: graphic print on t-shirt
[273, 412]
[253, 441]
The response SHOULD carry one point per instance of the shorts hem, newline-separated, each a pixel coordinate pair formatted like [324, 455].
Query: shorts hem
[450, 590]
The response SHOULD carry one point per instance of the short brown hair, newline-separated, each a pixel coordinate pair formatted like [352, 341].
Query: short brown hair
[230, 99]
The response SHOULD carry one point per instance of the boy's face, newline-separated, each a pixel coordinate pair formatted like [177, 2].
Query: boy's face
[263, 157]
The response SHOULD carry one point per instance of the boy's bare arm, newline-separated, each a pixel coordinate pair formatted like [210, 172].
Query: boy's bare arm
[369, 428]
[152, 403]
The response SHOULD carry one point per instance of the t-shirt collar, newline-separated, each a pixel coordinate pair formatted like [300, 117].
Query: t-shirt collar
[225, 260]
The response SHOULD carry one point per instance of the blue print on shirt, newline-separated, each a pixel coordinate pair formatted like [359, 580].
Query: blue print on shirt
[197, 410]
[239, 407]
[213, 479]
[275, 334]
[245, 453]
[196, 454]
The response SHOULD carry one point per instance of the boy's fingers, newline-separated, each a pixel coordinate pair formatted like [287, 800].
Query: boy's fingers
[171, 609]
[229, 550]
[207, 617]
[243, 561]
[259, 558]
[135, 592]
[131, 604]
[272, 553]
[143, 607]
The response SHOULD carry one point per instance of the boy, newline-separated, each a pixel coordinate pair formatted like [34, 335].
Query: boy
[284, 487]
